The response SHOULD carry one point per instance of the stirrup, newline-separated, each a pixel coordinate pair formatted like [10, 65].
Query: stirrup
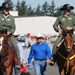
[52, 62]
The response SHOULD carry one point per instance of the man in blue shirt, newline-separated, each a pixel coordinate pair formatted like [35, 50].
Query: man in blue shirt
[41, 53]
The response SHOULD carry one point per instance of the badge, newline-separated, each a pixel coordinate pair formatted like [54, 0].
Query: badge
[2, 19]
[7, 19]
[69, 18]
[63, 19]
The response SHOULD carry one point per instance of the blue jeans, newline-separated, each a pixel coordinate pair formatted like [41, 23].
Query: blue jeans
[40, 67]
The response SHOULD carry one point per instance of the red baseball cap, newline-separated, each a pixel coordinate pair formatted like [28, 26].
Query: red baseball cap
[23, 69]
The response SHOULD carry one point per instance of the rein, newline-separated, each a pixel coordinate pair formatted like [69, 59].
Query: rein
[71, 45]
[68, 60]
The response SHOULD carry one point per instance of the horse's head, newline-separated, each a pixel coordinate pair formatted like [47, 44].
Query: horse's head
[68, 39]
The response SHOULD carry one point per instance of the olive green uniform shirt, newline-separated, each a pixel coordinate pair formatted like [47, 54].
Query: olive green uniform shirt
[7, 23]
[63, 22]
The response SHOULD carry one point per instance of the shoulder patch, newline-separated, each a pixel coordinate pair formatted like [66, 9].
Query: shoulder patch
[8, 19]
[69, 18]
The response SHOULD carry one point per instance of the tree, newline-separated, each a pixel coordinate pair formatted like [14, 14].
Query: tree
[44, 10]
[58, 12]
[38, 11]
[30, 11]
[45, 7]
[22, 8]
[52, 8]
[10, 3]
[18, 7]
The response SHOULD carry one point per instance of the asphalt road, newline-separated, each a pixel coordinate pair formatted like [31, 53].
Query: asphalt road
[51, 70]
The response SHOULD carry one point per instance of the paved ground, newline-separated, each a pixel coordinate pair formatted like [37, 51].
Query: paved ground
[51, 70]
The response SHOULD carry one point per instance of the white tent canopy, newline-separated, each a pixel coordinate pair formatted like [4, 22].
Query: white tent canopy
[35, 25]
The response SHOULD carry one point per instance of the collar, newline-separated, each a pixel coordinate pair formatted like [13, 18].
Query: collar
[66, 15]
[40, 44]
[5, 16]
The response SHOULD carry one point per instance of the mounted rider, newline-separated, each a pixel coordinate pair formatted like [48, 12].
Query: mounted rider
[7, 23]
[66, 21]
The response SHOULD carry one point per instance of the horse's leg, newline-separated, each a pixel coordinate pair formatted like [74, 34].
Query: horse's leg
[9, 70]
[72, 70]
[61, 72]
[72, 73]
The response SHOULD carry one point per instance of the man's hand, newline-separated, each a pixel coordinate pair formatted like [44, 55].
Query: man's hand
[29, 64]
[8, 32]
[60, 31]
[69, 28]
[48, 61]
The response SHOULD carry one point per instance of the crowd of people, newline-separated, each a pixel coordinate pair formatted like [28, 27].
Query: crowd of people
[40, 48]
[30, 40]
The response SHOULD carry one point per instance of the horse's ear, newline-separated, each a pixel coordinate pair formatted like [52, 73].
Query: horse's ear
[71, 31]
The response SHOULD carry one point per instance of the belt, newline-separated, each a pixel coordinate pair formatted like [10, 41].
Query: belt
[40, 59]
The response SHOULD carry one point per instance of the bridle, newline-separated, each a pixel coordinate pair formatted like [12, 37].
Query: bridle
[68, 39]
[69, 47]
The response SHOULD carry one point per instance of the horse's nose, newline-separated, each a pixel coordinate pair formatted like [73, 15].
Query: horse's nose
[69, 49]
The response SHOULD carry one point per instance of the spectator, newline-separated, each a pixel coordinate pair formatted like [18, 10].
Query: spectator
[20, 48]
[20, 51]
[28, 41]
[40, 51]
[48, 41]
[28, 44]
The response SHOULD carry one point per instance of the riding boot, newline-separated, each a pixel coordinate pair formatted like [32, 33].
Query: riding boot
[14, 43]
[54, 58]
[18, 65]
[56, 46]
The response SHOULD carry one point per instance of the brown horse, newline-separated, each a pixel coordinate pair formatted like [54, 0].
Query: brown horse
[66, 54]
[6, 55]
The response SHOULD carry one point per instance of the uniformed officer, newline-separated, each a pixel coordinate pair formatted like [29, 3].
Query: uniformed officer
[66, 21]
[7, 23]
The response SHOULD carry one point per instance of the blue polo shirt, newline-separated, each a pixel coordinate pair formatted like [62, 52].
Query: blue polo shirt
[40, 52]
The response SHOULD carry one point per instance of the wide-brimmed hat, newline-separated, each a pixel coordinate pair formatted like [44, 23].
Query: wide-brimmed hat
[39, 36]
[66, 7]
[16, 34]
[5, 5]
